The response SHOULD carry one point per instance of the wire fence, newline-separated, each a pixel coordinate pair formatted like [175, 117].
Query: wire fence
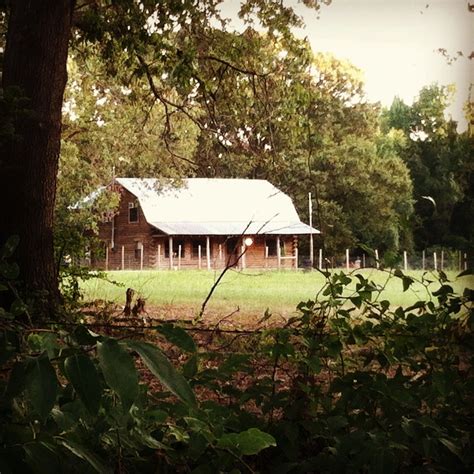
[443, 260]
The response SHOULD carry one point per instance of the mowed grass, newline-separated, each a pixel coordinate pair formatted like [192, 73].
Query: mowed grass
[250, 291]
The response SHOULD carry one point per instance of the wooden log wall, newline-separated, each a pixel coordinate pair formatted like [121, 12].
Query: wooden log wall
[137, 245]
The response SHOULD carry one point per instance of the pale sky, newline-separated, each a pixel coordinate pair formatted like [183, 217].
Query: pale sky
[395, 43]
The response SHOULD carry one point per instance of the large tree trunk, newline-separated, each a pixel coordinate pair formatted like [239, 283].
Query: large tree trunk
[34, 63]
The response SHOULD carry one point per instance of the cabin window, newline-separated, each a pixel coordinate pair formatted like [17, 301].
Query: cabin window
[271, 244]
[200, 242]
[176, 244]
[133, 212]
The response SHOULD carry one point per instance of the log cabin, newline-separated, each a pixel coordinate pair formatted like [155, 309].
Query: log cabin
[205, 223]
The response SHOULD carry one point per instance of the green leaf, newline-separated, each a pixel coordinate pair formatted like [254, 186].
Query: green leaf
[41, 384]
[42, 457]
[336, 423]
[119, 371]
[314, 363]
[9, 345]
[81, 372]
[9, 271]
[384, 461]
[468, 271]
[178, 336]
[451, 446]
[16, 382]
[356, 300]
[247, 442]
[9, 246]
[443, 290]
[18, 307]
[190, 368]
[407, 282]
[84, 454]
[162, 368]
[417, 305]
[468, 293]
[84, 336]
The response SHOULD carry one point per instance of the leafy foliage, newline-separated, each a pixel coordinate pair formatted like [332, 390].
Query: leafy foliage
[440, 164]
[350, 383]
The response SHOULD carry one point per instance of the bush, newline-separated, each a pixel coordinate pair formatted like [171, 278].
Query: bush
[351, 384]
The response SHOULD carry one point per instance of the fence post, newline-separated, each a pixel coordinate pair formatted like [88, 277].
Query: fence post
[242, 259]
[220, 254]
[320, 259]
[107, 258]
[141, 257]
[123, 257]
[442, 260]
[405, 261]
[435, 262]
[377, 264]
[159, 256]
[465, 261]
[347, 260]
[296, 259]
[363, 260]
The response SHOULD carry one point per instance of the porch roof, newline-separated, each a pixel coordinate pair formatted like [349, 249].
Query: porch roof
[233, 228]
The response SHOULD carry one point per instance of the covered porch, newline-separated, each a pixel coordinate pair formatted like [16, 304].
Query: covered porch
[176, 252]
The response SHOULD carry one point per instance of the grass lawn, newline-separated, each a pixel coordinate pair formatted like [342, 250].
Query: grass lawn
[250, 291]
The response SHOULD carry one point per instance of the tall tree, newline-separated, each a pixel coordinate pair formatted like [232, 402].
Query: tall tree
[34, 68]
[303, 122]
[440, 163]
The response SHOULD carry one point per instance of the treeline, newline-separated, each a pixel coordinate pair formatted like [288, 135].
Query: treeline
[254, 105]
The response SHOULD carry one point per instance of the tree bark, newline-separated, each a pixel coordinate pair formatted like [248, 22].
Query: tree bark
[35, 67]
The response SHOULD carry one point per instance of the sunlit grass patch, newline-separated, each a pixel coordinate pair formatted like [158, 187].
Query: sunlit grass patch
[253, 291]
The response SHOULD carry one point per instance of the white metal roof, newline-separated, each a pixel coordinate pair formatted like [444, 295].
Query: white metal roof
[204, 206]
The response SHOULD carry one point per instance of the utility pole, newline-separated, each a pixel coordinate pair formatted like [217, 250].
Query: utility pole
[112, 236]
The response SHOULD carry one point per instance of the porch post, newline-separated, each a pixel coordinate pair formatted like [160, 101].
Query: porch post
[278, 253]
[123, 257]
[179, 257]
[170, 254]
[208, 252]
